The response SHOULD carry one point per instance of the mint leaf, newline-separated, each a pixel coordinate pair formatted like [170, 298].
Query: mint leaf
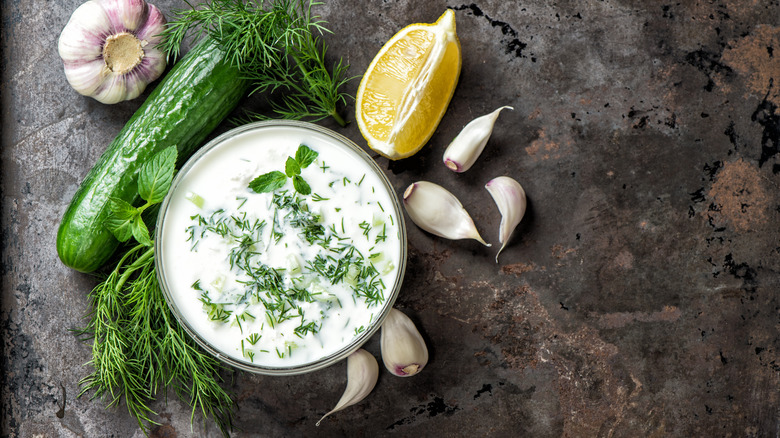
[301, 186]
[122, 218]
[305, 156]
[291, 167]
[268, 182]
[155, 177]
[140, 232]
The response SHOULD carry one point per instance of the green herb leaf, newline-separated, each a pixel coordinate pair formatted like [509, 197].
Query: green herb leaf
[121, 219]
[291, 167]
[301, 186]
[305, 156]
[268, 182]
[140, 232]
[155, 176]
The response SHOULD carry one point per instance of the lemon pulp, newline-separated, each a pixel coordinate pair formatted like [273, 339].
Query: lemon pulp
[408, 86]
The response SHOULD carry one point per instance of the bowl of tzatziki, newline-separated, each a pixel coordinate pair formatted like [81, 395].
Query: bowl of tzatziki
[280, 247]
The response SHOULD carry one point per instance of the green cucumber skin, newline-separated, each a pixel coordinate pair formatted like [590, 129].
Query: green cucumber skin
[193, 98]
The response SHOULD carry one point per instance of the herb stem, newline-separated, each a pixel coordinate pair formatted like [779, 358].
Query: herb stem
[337, 117]
[133, 267]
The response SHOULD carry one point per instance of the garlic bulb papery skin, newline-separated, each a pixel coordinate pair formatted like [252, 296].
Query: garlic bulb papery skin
[109, 51]
[362, 374]
[511, 201]
[404, 352]
[464, 150]
[437, 211]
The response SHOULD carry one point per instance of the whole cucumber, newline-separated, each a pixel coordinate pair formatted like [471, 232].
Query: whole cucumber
[192, 99]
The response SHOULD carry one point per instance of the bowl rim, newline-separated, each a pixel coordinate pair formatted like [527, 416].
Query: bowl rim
[357, 341]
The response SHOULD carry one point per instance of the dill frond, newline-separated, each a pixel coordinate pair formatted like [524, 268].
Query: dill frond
[139, 349]
[277, 46]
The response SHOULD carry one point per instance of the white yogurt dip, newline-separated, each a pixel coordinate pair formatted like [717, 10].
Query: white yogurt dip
[280, 279]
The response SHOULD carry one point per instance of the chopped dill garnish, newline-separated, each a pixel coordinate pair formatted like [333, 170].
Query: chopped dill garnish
[317, 198]
[381, 237]
[289, 292]
[366, 227]
[303, 329]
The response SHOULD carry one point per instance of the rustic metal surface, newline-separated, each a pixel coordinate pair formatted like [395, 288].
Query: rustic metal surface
[639, 296]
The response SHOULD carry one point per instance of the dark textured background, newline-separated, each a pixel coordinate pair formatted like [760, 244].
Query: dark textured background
[639, 296]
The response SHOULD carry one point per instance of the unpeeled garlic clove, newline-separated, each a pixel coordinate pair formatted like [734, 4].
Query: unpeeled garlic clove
[404, 352]
[511, 201]
[362, 374]
[108, 48]
[437, 211]
[464, 150]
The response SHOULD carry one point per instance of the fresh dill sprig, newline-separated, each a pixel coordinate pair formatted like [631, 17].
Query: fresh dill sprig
[276, 45]
[138, 347]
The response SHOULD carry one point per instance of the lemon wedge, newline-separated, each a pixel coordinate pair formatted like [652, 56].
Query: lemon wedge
[408, 86]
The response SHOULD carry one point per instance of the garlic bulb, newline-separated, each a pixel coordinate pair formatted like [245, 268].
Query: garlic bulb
[511, 201]
[109, 49]
[464, 150]
[362, 374]
[437, 211]
[403, 349]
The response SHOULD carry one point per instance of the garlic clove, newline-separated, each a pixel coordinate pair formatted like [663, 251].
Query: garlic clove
[437, 211]
[87, 76]
[153, 64]
[108, 48]
[113, 89]
[464, 150]
[362, 374]
[83, 36]
[511, 201]
[404, 352]
[126, 15]
[150, 31]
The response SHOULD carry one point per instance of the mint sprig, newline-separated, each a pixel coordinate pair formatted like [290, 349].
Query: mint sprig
[291, 167]
[156, 175]
[301, 186]
[268, 182]
[154, 180]
[305, 156]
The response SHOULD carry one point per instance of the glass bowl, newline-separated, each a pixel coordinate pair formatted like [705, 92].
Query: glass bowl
[211, 178]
